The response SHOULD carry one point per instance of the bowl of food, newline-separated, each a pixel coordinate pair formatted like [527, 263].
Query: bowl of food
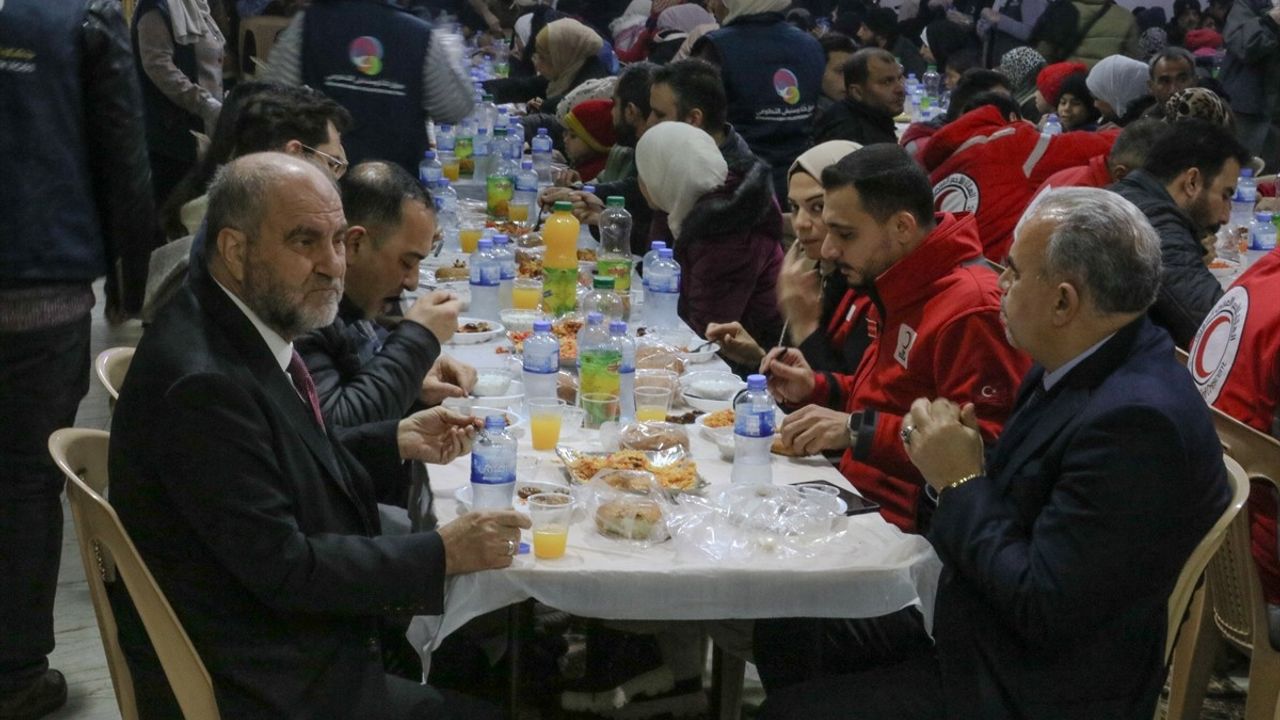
[520, 320]
[711, 390]
[716, 424]
[472, 331]
[492, 382]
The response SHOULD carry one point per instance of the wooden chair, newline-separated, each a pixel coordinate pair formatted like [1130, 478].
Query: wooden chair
[1231, 607]
[111, 366]
[109, 556]
[257, 36]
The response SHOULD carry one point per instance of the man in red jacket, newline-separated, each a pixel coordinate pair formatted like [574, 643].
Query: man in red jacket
[1129, 153]
[934, 321]
[1235, 362]
[990, 161]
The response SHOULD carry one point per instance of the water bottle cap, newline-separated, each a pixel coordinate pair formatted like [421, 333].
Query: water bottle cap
[615, 201]
[485, 244]
[589, 189]
[1246, 172]
[756, 382]
[542, 326]
[562, 206]
[500, 239]
[499, 130]
[1263, 217]
[542, 131]
[1053, 117]
[446, 127]
[657, 245]
[666, 253]
[602, 282]
[429, 155]
[442, 183]
[495, 422]
[526, 164]
[595, 318]
[482, 131]
[932, 68]
[487, 96]
[617, 327]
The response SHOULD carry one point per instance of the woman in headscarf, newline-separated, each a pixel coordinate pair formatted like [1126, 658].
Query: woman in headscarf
[179, 49]
[1119, 88]
[818, 304]
[941, 39]
[673, 28]
[726, 228]
[524, 82]
[566, 53]
[1022, 65]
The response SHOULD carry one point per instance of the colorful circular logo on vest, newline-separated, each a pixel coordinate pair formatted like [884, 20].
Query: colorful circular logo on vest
[366, 54]
[787, 86]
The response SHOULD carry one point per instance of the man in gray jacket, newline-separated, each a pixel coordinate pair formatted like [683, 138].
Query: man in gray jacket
[1249, 75]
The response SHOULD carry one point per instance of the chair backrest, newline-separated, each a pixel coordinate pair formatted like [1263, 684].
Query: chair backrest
[1239, 610]
[108, 552]
[1180, 598]
[110, 367]
[257, 36]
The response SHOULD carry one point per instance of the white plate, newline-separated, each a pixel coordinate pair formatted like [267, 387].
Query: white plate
[706, 404]
[460, 338]
[712, 433]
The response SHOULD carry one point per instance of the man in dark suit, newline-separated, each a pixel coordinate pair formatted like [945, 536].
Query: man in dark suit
[259, 526]
[1060, 549]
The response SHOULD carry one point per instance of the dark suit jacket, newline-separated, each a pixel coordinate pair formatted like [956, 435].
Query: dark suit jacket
[1059, 564]
[260, 529]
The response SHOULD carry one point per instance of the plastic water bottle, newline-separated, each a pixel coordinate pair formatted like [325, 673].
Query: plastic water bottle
[1242, 203]
[541, 361]
[429, 170]
[1052, 126]
[480, 153]
[524, 200]
[598, 361]
[1262, 236]
[446, 138]
[615, 248]
[602, 299]
[446, 202]
[542, 156]
[932, 82]
[493, 466]
[488, 112]
[1247, 186]
[912, 83]
[486, 282]
[626, 349]
[500, 181]
[649, 259]
[753, 421]
[506, 258]
[662, 292]
[915, 99]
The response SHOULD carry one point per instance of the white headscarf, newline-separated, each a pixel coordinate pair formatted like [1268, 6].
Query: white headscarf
[523, 28]
[1118, 80]
[678, 164]
[738, 8]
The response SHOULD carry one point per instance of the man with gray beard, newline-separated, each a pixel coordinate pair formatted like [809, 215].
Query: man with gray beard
[259, 523]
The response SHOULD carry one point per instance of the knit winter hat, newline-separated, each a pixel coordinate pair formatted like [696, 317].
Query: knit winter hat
[1203, 38]
[592, 122]
[1049, 81]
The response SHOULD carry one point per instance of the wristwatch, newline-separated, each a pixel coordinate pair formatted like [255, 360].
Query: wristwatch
[853, 426]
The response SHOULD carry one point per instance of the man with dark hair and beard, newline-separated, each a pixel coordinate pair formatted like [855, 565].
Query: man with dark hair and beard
[1185, 188]
[256, 518]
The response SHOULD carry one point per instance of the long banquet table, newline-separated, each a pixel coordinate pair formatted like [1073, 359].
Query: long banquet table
[869, 569]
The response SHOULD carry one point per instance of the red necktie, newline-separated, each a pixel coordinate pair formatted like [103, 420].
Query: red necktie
[305, 386]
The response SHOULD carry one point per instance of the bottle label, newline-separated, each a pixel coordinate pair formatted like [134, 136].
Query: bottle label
[753, 424]
[619, 270]
[598, 371]
[560, 290]
[486, 274]
[541, 363]
[492, 469]
[664, 283]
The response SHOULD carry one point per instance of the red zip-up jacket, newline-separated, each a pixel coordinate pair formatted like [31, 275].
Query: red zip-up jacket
[934, 319]
[983, 164]
[1235, 361]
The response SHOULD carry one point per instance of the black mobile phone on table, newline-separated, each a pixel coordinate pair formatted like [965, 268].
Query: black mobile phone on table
[855, 503]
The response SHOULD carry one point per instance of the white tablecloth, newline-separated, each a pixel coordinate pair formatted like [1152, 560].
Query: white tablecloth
[870, 569]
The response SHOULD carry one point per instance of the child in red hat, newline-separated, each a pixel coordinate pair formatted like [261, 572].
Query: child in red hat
[588, 137]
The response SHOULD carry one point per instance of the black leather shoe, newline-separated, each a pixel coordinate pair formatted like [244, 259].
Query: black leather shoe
[46, 694]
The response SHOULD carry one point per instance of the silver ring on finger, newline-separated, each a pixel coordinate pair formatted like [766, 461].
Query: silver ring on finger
[511, 547]
[906, 434]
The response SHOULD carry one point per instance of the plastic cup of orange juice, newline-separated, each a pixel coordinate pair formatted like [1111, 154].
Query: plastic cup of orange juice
[652, 403]
[550, 514]
[469, 236]
[526, 293]
[544, 422]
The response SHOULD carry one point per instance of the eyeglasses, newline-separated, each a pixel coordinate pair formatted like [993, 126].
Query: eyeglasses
[337, 166]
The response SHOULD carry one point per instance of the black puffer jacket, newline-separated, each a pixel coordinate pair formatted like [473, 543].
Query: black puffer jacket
[854, 121]
[1188, 290]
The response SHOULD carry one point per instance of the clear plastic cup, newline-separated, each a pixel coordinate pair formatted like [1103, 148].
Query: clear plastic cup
[550, 514]
[600, 408]
[652, 403]
[545, 415]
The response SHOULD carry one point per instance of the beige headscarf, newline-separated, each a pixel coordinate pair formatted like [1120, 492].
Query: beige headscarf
[693, 39]
[738, 8]
[678, 164]
[565, 46]
[819, 157]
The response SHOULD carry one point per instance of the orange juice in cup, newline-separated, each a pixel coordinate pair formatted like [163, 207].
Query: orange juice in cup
[518, 212]
[544, 422]
[549, 542]
[469, 238]
[526, 293]
[651, 414]
[449, 163]
[551, 514]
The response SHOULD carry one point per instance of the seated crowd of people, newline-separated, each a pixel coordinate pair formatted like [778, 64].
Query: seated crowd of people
[961, 241]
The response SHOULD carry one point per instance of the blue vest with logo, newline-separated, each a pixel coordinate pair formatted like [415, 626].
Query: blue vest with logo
[368, 56]
[772, 75]
[169, 126]
[48, 220]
